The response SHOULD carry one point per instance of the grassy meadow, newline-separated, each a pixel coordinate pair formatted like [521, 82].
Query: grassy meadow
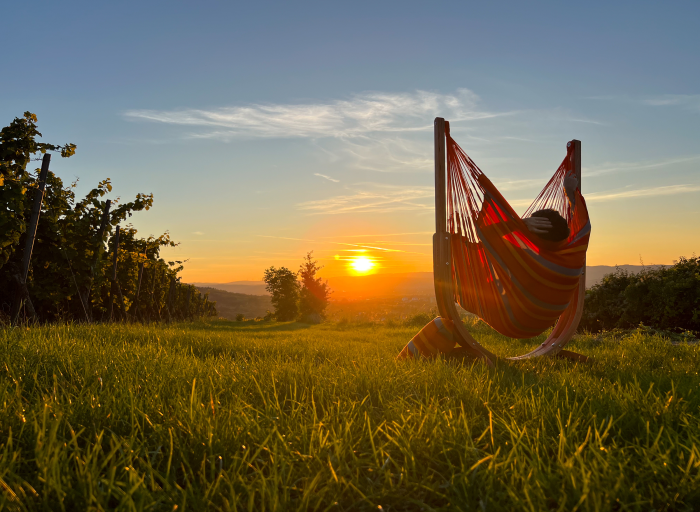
[267, 416]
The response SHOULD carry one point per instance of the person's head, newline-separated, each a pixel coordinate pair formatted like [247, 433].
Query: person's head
[560, 228]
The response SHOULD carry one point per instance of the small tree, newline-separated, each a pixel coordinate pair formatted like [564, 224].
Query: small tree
[282, 285]
[313, 297]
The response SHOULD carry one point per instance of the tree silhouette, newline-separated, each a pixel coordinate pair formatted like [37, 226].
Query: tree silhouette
[313, 297]
[282, 285]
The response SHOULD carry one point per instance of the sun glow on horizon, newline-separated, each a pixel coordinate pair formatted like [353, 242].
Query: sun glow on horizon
[362, 264]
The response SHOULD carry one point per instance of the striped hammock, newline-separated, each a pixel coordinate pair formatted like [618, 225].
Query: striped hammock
[517, 282]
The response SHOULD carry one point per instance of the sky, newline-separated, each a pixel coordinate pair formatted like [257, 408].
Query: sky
[269, 129]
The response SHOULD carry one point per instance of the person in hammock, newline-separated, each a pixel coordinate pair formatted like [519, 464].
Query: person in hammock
[549, 224]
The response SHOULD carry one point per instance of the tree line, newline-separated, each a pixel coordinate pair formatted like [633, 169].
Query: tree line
[298, 295]
[64, 258]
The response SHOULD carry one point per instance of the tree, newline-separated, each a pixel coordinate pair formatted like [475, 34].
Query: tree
[313, 297]
[282, 285]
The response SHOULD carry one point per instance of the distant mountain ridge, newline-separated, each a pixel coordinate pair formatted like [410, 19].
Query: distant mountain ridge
[414, 284]
[246, 287]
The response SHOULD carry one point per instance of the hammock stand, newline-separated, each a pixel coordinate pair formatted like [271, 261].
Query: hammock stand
[443, 272]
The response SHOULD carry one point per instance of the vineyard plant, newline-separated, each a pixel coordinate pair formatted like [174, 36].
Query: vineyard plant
[71, 276]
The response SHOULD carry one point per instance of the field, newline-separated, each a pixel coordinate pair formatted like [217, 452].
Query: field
[265, 416]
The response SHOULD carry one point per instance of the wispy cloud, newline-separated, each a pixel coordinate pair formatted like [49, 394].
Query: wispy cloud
[374, 198]
[356, 116]
[688, 101]
[636, 166]
[286, 238]
[642, 192]
[326, 177]
[197, 233]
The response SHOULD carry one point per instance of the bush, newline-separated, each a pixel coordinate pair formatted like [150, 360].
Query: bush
[240, 317]
[664, 298]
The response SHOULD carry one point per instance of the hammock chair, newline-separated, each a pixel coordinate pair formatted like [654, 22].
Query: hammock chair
[486, 260]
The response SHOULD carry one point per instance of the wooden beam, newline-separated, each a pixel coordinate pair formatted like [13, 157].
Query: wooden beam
[442, 253]
[440, 215]
[440, 167]
[577, 170]
[577, 160]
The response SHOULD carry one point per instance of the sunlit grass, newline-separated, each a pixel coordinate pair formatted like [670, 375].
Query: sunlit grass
[264, 416]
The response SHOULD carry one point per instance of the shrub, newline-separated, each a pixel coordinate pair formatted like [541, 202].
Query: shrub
[663, 298]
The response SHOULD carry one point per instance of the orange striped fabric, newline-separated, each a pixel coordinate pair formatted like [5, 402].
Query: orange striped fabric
[515, 281]
[438, 337]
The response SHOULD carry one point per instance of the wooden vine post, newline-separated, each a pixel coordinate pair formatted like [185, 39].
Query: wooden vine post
[22, 294]
[99, 248]
[138, 291]
[36, 213]
[115, 290]
[169, 302]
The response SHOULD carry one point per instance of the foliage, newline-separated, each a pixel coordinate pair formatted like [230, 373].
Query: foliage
[17, 146]
[71, 269]
[664, 298]
[284, 289]
[314, 293]
[282, 416]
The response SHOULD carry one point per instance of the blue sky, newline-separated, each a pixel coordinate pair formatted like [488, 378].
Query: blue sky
[269, 129]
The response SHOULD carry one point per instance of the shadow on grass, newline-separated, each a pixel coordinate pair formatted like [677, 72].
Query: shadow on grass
[247, 326]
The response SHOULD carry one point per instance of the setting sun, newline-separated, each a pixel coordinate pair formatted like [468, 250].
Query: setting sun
[362, 264]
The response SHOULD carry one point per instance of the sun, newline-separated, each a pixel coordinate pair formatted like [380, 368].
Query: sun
[362, 264]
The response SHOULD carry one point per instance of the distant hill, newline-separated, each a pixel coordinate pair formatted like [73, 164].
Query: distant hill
[228, 304]
[246, 287]
[414, 284]
[595, 273]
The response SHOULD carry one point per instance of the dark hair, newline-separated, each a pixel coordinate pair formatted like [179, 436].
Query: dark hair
[560, 228]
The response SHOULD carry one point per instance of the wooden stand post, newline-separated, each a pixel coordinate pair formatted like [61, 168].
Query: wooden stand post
[442, 253]
[576, 164]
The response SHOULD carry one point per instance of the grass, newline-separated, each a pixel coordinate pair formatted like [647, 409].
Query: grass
[264, 416]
